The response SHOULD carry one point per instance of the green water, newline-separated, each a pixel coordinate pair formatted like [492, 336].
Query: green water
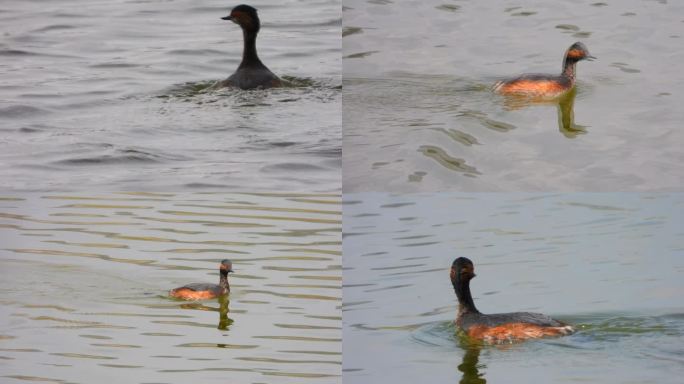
[610, 264]
[419, 114]
[84, 281]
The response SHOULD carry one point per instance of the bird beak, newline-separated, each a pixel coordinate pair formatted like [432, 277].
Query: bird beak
[229, 17]
[590, 57]
[230, 270]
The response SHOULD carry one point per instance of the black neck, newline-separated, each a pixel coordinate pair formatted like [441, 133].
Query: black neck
[249, 52]
[223, 281]
[465, 299]
[569, 67]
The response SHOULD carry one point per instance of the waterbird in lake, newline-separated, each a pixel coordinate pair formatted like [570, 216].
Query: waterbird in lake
[501, 327]
[547, 86]
[251, 73]
[203, 291]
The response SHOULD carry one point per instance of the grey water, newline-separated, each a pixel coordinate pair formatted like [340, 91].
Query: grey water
[115, 96]
[610, 264]
[420, 115]
[84, 281]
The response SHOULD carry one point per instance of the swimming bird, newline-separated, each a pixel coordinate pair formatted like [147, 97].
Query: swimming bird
[251, 73]
[203, 291]
[501, 327]
[543, 85]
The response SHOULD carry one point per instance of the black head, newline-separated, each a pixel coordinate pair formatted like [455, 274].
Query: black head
[577, 52]
[462, 269]
[226, 266]
[244, 16]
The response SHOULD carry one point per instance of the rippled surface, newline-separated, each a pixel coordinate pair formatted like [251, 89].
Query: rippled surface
[609, 263]
[113, 95]
[419, 114]
[84, 281]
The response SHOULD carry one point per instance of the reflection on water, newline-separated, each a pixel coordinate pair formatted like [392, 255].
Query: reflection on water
[628, 332]
[566, 117]
[84, 282]
[566, 113]
[471, 364]
[223, 302]
[224, 321]
[610, 264]
[419, 115]
[450, 135]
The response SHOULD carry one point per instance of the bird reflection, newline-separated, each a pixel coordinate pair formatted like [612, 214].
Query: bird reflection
[566, 112]
[224, 321]
[566, 116]
[470, 365]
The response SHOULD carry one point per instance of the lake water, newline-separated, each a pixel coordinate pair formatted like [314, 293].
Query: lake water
[113, 96]
[419, 114]
[611, 264]
[84, 282]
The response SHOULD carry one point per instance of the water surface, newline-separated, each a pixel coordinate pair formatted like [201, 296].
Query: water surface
[419, 114]
[84, 282]
[113, 95]
[611, 264]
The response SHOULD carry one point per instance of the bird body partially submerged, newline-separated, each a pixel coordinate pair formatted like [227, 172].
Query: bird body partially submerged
[251, 73]
[500, 327]
[203, 291]
[547, 86]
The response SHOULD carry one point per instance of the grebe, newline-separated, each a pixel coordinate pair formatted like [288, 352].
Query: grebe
[547, 86]
[203, 291]
[500, 327]
[251, 73]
